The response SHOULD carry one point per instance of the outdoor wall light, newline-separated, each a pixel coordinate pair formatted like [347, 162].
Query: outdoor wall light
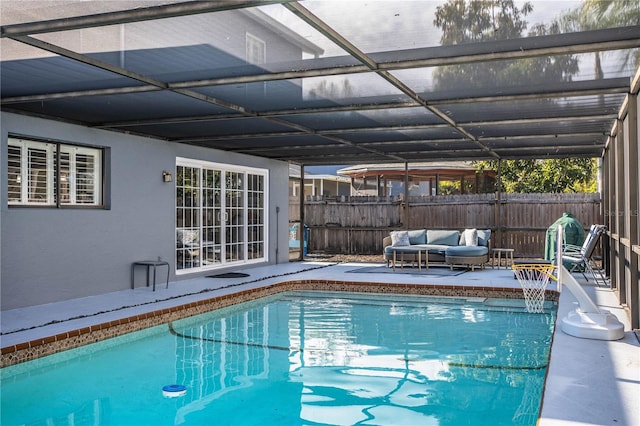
[166, 176]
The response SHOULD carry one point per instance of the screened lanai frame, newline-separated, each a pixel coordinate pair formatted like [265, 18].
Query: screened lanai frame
[334, 92]
[339, 82]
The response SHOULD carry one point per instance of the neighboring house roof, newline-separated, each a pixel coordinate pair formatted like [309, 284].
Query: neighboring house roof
[462, 167]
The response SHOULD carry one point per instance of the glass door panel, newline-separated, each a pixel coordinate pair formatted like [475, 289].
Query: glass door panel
[255, 216]
[188, 242]
[211, 217]
[234, 216]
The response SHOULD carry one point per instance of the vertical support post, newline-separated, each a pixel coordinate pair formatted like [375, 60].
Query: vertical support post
[437, 183]
[635, 241]
[619, 207]
[406, 195]
[301, 227]
[631, 177]
[610, 219]
[605, 206]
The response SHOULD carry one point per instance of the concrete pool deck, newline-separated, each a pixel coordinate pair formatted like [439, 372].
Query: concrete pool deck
[589, 382]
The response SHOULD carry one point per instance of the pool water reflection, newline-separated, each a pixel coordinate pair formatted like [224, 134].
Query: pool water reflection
[303, 358]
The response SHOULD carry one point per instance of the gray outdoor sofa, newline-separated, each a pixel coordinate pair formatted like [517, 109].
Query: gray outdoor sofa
[448, 247]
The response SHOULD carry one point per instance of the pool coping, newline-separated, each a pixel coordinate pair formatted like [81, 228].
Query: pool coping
[40, 347]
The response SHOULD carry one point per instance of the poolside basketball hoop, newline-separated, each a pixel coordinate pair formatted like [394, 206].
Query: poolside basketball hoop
[533, 279]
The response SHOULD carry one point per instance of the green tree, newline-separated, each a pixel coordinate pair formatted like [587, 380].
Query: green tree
[599, 14]
[546, 176]
[468, 21]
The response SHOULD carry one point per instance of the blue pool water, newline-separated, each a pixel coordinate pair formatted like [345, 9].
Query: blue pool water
[301, 358]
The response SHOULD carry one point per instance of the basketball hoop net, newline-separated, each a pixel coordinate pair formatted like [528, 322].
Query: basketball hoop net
[533, 279]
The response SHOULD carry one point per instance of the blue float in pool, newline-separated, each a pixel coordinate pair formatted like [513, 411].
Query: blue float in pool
[172, 391]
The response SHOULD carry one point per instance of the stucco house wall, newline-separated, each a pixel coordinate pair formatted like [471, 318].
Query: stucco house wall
[50, 254]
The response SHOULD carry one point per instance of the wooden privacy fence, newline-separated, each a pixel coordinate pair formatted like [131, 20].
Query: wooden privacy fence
[357, 225]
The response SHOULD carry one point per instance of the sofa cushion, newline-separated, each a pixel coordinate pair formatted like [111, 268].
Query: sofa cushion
[467, 251]
[400, 238]
[443, 237]
[418, 236]
[484, 235]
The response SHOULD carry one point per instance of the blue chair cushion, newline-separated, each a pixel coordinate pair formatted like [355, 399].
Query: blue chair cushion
[418, 236]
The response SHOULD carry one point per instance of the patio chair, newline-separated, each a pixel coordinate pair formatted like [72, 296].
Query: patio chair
[188, 246]
[580, 257]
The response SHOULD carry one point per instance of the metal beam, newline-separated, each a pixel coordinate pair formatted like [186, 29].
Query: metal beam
[307, 16]
[303, 130]
[162, 85]
[610, 86]
[346, 45]
[129, 15]
[543, 136]
[514, 49]
[558, 143]
[435, 156]
[49, 47]
[79, 94]
[577, 88]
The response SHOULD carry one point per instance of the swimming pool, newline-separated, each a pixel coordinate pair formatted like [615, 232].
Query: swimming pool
[302, 358]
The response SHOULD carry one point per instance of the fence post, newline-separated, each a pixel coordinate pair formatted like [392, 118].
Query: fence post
[498, 212]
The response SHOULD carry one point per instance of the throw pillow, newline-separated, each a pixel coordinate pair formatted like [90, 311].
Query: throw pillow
[400, 238]
[483, 237]
[471, 237]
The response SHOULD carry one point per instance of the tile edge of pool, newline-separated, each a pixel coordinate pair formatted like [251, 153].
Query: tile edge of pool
[30, 350]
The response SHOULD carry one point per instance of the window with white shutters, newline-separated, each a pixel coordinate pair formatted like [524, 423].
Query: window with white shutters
[53, 174]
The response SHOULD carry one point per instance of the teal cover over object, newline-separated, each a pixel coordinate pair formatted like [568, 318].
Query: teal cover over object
[572, 230]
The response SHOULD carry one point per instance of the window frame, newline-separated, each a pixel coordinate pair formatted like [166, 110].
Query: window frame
[54, 168]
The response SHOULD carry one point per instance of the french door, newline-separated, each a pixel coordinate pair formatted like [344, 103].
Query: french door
[220, 215]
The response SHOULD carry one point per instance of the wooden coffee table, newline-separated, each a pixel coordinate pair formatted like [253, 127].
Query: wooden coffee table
[411, 250]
